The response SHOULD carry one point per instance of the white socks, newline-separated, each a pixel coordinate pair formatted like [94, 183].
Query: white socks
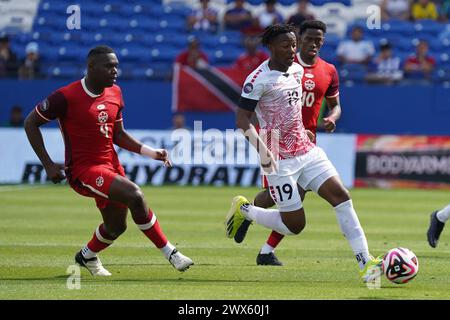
[269, 218]
[444, 214]
[351, 228]
[88, 253]
[266, 249]
[167, 249]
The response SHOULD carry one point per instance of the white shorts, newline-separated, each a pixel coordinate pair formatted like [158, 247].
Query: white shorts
[309, 171]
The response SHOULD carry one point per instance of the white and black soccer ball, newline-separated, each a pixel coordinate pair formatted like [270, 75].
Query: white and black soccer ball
[400, 265]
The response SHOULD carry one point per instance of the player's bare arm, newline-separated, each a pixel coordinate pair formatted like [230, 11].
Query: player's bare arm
[124, 140]
[31, 125]
[243, 121]
[329, 122]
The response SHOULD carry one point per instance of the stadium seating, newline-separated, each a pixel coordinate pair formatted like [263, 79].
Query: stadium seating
[149, 34]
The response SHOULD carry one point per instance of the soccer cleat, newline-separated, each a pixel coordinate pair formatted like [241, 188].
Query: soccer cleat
[372, 269]
[235, 218]
[94, 265]
[242, 231]
[434, 230]
[179, 261]
[268, 259]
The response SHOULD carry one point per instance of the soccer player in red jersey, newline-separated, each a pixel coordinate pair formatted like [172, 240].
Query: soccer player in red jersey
[320, 80]
[89, 112]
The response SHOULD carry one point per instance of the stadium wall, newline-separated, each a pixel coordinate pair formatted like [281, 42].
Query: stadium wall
[208, 157]
[224, 158]
[367, 109]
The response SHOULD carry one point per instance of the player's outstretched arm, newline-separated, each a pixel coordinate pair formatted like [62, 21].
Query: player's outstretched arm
[124, 140]
[329, 122]
[31, 126]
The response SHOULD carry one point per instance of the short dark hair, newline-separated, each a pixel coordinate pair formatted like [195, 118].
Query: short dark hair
[313, 24]
[98, 50]
[271, 32]
[385, 46]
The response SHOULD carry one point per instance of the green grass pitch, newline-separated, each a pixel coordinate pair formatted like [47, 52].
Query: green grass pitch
[41, 228]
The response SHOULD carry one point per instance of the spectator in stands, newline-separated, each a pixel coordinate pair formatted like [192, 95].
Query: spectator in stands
[16, 117]
[254, 29]
[193, 56]
[444, 12]
[237, 18]
[179, 121]
[424, 9]
[395, 9]
[301, 15]
[203, 19]
[252, 58]
[386, 68]
[420, 65]
[356, 50]
[270, 15]
[30, 67]
[8, 59]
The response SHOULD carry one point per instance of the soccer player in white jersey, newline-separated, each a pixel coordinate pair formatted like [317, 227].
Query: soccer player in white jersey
[437, 223]
[273, 91]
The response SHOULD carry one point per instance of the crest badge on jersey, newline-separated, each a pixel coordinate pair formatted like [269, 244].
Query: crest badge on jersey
[101, 107]
[309, 84]
[103, 117]
[248, 87]
[44, 105]
[99, 181]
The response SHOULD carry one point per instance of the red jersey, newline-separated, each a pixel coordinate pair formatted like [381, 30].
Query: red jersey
[87, 124]
[319, 80]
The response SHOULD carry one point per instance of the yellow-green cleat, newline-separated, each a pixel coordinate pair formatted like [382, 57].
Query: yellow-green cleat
[235, 217]
[372, 269]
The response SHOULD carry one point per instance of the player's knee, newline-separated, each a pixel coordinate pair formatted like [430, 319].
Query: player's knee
[263, 200]
[297, 228]
[135, 197]
[114, 231]
[341, 195]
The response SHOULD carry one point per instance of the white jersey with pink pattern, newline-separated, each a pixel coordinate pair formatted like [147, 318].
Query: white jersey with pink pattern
[279, 108]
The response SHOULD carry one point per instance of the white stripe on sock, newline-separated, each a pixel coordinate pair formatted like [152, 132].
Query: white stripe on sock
[101, 238]
[147, 226]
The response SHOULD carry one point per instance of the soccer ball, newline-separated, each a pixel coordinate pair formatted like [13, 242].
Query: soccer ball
[400, 265]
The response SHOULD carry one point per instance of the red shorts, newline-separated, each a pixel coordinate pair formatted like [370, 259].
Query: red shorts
[95, 182]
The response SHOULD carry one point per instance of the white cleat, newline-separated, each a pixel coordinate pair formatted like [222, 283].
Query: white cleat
[94, 265]
[179, 261]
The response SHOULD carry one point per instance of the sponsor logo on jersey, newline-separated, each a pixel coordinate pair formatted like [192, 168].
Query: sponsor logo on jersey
[101, 107]
[309, 85]
[103, 117]
[309, 75]
[248, 87]
[99, 181]
[44, 105]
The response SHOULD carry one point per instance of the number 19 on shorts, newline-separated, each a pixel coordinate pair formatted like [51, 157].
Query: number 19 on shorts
[280, 193]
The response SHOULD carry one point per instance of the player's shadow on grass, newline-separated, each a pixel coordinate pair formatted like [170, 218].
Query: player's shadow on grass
[60, 277]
